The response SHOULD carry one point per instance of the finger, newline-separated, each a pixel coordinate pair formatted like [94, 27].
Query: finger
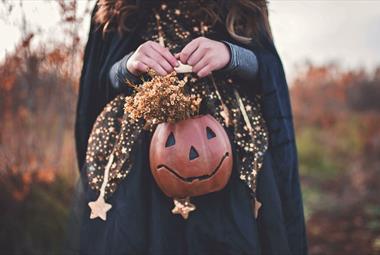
[188, 50]
[204, 71]
[177, 55]
[157, 57]
[201, 64]
[140, 67]
[197, 55]
[154, 65]
[166, 54]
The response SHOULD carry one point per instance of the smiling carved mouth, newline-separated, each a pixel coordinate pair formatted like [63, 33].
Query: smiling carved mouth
[191, 179]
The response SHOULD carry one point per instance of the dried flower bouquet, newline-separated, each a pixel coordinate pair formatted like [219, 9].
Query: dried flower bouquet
[161, 99]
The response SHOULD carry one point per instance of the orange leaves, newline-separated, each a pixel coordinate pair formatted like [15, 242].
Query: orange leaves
[37, 106]
[8, 72]
[7, 82]
[322, 96]
[56, 56]
[25, 42]
[46, 175]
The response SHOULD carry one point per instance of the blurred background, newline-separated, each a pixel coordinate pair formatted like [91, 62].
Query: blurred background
[331, 55]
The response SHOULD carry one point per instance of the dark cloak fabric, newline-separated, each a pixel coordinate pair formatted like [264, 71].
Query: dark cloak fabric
[281, 226]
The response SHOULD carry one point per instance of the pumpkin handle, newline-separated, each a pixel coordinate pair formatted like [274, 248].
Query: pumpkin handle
[182, 68]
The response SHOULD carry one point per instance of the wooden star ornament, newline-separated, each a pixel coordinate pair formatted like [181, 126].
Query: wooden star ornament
[99, 208]
[257, 206]
[226, 115]
[183, 207]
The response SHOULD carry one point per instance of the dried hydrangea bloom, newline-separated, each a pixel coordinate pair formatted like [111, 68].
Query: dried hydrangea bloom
[162, 99]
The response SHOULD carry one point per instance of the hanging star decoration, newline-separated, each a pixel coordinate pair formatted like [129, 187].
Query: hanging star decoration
[183, 207]
[99, 208]
[257, 206]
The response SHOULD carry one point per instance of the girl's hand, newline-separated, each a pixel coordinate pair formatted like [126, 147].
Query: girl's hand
[153, 55]
[205, 55]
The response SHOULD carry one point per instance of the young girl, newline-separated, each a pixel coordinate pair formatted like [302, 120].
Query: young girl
[237, 71]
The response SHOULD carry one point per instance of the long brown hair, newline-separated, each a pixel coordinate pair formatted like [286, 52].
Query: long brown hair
[242, 20]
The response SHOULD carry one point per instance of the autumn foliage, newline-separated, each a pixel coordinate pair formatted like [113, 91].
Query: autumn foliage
[338, 135]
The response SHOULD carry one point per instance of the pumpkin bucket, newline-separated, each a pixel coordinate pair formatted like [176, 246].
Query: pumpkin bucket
[191, 157]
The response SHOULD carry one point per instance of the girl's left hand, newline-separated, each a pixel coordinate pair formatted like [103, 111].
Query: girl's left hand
[205, 55]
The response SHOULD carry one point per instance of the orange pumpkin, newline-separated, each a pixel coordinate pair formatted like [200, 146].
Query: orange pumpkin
[191, 157]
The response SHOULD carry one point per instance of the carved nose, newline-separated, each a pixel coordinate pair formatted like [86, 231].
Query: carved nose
[193, 154]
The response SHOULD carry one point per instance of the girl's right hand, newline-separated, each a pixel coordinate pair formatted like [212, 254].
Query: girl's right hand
[151, 55]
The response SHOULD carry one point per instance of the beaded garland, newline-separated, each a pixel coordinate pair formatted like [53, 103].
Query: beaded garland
[114, 133]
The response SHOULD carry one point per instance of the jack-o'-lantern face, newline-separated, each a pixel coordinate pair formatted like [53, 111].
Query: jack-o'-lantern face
[191, 157]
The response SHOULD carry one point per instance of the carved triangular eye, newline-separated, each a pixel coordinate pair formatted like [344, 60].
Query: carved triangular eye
[210, 133]
[170, 141]
[193, 154]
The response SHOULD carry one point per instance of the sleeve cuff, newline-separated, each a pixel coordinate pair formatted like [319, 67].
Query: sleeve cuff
[243, 62]
[119, 73]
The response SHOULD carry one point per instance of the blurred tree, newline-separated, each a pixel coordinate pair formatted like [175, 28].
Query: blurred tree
[338, 133]
[38, 90]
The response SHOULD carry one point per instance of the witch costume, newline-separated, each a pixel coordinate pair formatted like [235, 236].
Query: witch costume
[260, 209]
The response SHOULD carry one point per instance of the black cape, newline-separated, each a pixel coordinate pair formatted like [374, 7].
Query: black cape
[281, 225]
